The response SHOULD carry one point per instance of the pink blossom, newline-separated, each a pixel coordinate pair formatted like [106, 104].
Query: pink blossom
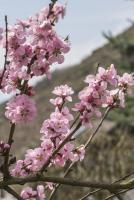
[47, 146]
[67, 151]
[63, 91]
[35, 158]
[57, 101]
[109, 75]
[86, 119]
[66, 113]
[115, 98]
[58, 10]
[126, 79]
[20, 109]
[59, 160]
[19, 169]
[56, 126]
[28, 193]
[79, 154]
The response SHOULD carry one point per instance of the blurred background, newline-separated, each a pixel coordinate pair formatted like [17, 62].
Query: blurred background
[99, 32]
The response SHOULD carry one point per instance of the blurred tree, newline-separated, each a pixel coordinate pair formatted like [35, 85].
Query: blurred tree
[125, 48]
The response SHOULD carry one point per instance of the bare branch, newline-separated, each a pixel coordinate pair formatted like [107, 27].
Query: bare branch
[6, 51]
[66, 181]
[98, 190]
[98, 127]
[116, 194]
[112, 196]
[10, 141]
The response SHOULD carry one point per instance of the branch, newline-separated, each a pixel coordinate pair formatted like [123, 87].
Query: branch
[116, 194]
[112, 196]
[75, 120]
[66, 181]
[98, 190]
[98, 127]
[10, 141]
[6, 51]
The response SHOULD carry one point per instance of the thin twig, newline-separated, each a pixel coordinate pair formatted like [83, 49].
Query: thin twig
[75, 120]
[10, 141]
[98, 190]
[58, 185]
[112, 196]
[98, 127]
[98, 65]
[13, 193]
[116, 194]
[6, 51]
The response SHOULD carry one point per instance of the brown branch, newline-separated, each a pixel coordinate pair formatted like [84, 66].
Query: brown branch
[6, 51]
[116, 194]
[98, 190]
[112, 196]
[90, 194]
[66, 181]
[7, 153]
[24, 86]
[98, 127]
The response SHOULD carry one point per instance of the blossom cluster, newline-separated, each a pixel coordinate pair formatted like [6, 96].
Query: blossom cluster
[33, 46]
[105, 88]
[54, 130]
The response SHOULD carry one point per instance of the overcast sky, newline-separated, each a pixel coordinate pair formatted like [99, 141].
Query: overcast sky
[84, 22]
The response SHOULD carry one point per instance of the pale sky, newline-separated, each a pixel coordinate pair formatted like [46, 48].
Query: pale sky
[84, 22]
